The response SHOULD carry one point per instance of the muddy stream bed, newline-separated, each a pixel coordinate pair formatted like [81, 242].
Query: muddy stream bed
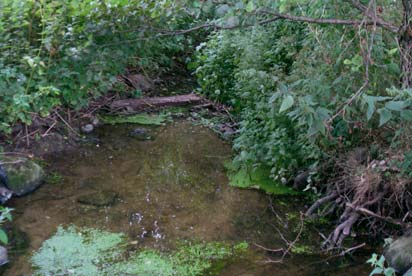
[162, 191]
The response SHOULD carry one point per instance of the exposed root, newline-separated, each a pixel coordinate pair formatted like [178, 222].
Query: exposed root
[365, 191]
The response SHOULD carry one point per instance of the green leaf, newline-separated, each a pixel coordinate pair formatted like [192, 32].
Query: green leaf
[393, 51]
[377, 270]
[371, 110]
[406, 115]
[3, 237]
[286, 103]
[385, 116]
[395, 105]
[391, 272]
[250, 6]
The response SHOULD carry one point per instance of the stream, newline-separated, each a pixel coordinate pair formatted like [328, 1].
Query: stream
[162, 191]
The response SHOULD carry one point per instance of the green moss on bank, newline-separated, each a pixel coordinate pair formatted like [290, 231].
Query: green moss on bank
[141, 119]
[257, 178]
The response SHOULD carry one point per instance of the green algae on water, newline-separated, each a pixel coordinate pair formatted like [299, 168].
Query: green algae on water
[141, 119]
[93, 252]
[256, 178]
[72, 251]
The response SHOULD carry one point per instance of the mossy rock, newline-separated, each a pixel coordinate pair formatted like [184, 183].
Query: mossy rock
[24, 175]
[398, 254]
[99, 198]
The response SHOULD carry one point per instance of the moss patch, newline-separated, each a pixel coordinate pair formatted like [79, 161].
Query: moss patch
[74, 251]
[141, 119]
[257, 178]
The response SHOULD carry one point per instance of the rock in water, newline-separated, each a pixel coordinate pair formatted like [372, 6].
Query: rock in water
[98, 198]
[4, 259]
[398, 254]
[24, 175]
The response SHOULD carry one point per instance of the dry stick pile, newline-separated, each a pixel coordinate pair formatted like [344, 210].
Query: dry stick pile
[365, 191]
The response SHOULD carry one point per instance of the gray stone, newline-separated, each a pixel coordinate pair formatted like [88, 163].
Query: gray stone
[408, 273]
[398, 254]
[24, 175]
[4, 259]
[99, 198]
[87, 128]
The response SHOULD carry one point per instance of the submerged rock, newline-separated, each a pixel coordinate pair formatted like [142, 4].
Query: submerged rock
[398, 254]
[24, 175]
[141, 134]
[99, 198]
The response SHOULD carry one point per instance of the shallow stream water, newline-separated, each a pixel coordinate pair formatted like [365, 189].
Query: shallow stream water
[168, 189]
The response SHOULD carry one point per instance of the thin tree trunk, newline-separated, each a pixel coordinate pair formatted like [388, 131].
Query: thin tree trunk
[405, 43]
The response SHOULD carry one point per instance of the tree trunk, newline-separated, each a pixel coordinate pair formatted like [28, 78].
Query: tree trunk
[405, 43]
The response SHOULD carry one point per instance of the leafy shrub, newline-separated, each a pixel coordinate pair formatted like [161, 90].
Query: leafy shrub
[287, 79]
[243, 68]
[65, 52]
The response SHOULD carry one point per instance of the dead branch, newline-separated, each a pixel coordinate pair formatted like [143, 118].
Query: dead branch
[320, 202]
[290, 244]
[367, 212]
[269, 249]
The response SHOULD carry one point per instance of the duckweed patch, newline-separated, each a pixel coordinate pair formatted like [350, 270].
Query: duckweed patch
[141, 119]
[74, 251]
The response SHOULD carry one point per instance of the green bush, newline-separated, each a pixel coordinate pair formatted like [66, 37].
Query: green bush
[56, 53]
[243, 68]
[285, 80]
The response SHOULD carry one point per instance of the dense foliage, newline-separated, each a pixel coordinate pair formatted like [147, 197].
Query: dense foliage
[287, 79]
[55, 53]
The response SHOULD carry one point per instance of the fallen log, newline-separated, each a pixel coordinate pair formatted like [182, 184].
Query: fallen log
[131, 105]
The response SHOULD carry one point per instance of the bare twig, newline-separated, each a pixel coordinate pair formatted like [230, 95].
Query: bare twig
[269, 249]
[367, 212]
[66, 123]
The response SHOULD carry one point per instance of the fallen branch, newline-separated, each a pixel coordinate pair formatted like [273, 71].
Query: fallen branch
[148, 103]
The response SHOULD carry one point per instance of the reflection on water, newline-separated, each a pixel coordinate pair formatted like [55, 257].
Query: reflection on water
[159, 192]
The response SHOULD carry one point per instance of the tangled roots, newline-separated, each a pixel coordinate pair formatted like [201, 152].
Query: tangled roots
[365, 191]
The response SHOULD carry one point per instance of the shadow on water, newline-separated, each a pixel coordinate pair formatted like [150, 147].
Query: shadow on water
[159, 192]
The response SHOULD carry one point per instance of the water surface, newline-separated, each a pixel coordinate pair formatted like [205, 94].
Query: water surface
[168, 189]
